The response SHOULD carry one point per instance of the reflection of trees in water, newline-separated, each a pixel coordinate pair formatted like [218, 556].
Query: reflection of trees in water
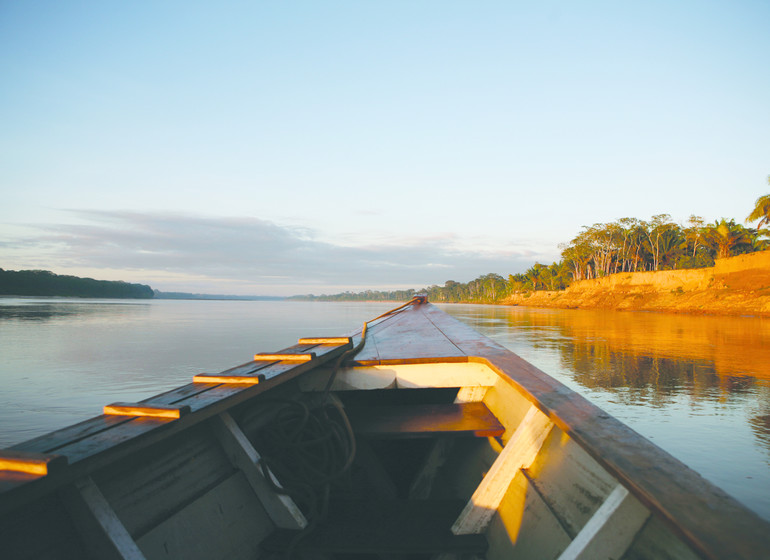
[48, 311]
[648, 359]
[594, 364]
[40, 312]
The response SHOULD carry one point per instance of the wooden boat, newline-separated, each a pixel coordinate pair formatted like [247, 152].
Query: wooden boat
[419, 439]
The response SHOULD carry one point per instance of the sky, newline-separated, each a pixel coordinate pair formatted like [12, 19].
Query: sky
[281, 148]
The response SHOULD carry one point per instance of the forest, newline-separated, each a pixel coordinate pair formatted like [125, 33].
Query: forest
[46, 283]
[625, 245]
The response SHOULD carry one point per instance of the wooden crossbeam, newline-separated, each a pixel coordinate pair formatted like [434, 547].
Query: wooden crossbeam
[422, 485]
[280, 507]
[611, 530]
[518, 453]
[148, 410]
[232, 379]
[31, 463]
[471, 394]
[103, 534]
[306, 357]
[326, 340]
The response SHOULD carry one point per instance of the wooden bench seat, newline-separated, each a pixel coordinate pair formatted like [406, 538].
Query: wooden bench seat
[425, 420]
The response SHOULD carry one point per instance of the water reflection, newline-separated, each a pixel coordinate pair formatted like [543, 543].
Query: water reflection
[43, 309]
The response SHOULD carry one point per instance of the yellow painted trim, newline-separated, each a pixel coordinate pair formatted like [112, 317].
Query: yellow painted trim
[284, 357]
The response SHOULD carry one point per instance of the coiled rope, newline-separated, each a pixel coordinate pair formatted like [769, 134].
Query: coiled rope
[308, 449]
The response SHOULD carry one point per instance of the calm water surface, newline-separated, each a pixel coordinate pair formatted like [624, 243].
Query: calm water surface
[699, 387]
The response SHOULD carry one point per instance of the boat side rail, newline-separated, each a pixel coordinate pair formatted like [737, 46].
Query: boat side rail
[26, 469]
[714, 523]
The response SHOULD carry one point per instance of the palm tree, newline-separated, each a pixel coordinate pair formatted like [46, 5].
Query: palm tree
[726, 236]
[761, 210]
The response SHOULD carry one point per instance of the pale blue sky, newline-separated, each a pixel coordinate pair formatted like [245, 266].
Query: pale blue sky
[295, 147]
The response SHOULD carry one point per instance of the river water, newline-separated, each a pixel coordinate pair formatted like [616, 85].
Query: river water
[697, 386]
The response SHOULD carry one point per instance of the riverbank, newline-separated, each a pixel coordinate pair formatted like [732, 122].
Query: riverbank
[733, 286]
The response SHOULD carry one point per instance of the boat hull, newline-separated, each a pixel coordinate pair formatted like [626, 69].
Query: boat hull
[441, 444]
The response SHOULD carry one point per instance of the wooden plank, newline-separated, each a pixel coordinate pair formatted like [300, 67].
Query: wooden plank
[232, 379]
[281, 508]
[385, 527]
[104, 440]
[50, 442]
[326, 340]
[471, 394]
[146, 410]
[226, 522]
[284, 357]
[405, 338]
[610, 531]
[425, 420]
[31, 463]
[102, 532]
[518, 453]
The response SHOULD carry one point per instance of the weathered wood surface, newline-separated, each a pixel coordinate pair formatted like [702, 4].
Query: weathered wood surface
[145, 488]
[326, 340]
[227, 521]
[572, 483]
[30, 462]
[406, 337]
[146, 410]
[518, 453]
[235, 379]
[425, 420]
[103, 534]
[611, 530]
[103, 439]
[305, 357]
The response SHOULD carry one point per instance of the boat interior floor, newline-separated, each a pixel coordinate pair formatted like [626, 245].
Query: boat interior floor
[404, 488]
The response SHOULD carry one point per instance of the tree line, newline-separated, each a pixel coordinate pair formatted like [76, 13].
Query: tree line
[46, 283]
[625, 245]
